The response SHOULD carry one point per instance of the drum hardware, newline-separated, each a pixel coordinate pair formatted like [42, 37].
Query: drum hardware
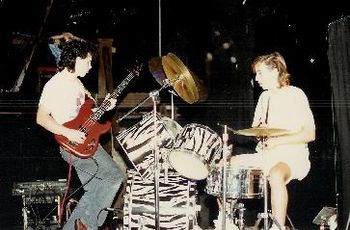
[154, 95]
[240, 220]
[234, 216]
[262, 133]
[156, 69]
[151, 94]
[234, 205]
[224, 180]
[186, 88]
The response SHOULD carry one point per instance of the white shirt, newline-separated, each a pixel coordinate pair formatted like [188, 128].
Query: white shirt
[285, 108]
[63, 96]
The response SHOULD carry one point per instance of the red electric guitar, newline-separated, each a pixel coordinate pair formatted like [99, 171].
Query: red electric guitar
[87, 122]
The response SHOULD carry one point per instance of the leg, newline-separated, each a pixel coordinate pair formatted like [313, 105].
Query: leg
[101, 179]
[278, 176]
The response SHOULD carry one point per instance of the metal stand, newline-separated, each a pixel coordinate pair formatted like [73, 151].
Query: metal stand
[154, 95]
[240, 220]
[151, 95]
[224, 179]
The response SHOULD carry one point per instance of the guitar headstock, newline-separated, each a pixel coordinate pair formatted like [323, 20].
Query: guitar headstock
[137, 68]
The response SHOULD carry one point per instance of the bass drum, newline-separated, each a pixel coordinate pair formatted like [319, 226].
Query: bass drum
[177, 203]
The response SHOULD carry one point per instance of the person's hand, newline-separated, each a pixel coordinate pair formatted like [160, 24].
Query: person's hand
[75, 136]
[110, 102]
[267, 144]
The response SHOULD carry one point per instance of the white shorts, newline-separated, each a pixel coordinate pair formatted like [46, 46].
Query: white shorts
[295, 156]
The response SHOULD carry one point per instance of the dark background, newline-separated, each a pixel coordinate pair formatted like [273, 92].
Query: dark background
[215, 39]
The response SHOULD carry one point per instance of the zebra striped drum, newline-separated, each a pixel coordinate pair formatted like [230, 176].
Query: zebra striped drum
[137, 142]
[177, 203]
[195, 150]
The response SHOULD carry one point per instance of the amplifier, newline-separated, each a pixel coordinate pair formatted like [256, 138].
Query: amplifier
[39, 188]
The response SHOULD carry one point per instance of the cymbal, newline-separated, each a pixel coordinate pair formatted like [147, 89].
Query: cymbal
[263, 132]
[156, 69]
[180, 78]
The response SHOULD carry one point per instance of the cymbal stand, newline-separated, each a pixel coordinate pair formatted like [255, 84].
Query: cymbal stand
[265, 215]
[154, 95]
[155, 92]
[224, 179]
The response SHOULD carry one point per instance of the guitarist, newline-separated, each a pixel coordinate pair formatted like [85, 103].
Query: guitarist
[60, 102]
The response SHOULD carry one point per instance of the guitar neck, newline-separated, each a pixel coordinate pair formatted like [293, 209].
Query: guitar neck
[106, 103]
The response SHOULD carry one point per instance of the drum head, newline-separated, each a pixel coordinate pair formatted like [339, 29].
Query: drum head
[188, 165]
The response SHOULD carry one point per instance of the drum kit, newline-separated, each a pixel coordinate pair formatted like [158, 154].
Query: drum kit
[168, 159]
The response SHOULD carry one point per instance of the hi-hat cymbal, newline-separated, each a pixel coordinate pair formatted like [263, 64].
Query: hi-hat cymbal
[180, 78]
[263, 132]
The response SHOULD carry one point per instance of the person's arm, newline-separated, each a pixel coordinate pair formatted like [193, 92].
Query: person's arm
[44, 119]
[65, 36]
[303, 115]
[304, 136]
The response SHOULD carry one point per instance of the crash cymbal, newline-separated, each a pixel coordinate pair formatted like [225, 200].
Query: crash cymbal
[180, 78]
[263, 132]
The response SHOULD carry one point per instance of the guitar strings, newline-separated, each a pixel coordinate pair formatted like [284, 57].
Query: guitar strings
[103, 107]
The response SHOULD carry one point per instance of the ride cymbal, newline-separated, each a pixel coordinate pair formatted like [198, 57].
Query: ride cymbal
[263, 132]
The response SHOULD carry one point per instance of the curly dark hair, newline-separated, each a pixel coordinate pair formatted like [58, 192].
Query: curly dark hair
[73, 49]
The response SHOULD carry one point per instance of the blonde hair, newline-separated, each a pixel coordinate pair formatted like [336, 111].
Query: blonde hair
[274, 61]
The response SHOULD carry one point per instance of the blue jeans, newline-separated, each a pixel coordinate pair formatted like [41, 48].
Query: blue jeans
[101, 178]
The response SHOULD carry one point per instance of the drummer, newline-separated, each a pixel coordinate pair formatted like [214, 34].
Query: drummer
[284, 156]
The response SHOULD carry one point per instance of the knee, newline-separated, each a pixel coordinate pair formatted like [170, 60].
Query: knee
[279, 174]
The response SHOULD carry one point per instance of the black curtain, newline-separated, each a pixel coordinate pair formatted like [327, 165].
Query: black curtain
[339, 63]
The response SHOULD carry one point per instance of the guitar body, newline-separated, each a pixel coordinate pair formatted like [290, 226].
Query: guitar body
[92, 129]
[87, 122]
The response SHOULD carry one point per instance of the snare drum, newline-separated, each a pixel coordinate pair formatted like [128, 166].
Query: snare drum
[195, 150]
[177, 203]
[241, 183]
[137, 142]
